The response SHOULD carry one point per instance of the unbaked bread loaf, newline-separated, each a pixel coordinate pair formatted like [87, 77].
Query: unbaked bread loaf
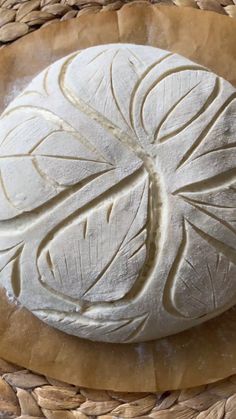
[117, 194]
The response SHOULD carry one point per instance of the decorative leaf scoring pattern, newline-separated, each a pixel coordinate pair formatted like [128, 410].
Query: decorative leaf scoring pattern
[9, 267]
[42, 157]
[162, 125]
[8, 255]
[87, 326]
[86, 262]
[109, 88]
[117, 194]
[205, 275]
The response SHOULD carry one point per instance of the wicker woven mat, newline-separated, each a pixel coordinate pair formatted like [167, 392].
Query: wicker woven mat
[19, 17]
[25, 395]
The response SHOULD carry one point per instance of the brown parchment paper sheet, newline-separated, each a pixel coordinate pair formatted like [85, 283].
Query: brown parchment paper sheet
[203, 354]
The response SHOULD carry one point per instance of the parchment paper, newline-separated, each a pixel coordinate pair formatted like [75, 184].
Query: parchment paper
[203, 354]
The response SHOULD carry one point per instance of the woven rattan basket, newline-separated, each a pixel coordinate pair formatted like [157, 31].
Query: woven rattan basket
[26, 395]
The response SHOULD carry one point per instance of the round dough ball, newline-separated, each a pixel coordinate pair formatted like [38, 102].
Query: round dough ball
[117, 194]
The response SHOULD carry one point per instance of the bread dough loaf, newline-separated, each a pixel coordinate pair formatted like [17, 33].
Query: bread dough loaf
[117, 194]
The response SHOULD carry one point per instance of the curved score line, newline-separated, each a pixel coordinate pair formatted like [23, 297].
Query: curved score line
[127, 182]
[139, 82]
[168, 114]
[153, 241]
[48, 115]
[113, 90]
[167, 297]
[205, 131]
[211, 98]
[163, 77]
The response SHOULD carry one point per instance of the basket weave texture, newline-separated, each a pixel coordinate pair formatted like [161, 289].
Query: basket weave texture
[25, 395]
[19, 17]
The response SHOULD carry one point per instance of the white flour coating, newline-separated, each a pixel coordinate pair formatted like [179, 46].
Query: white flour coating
[117, 194]
[15, 90]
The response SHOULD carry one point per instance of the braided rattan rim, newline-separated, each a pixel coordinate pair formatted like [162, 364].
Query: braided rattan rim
[19, 17]
[25, 395]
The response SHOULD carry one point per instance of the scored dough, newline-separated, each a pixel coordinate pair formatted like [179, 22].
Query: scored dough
[117, 194]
